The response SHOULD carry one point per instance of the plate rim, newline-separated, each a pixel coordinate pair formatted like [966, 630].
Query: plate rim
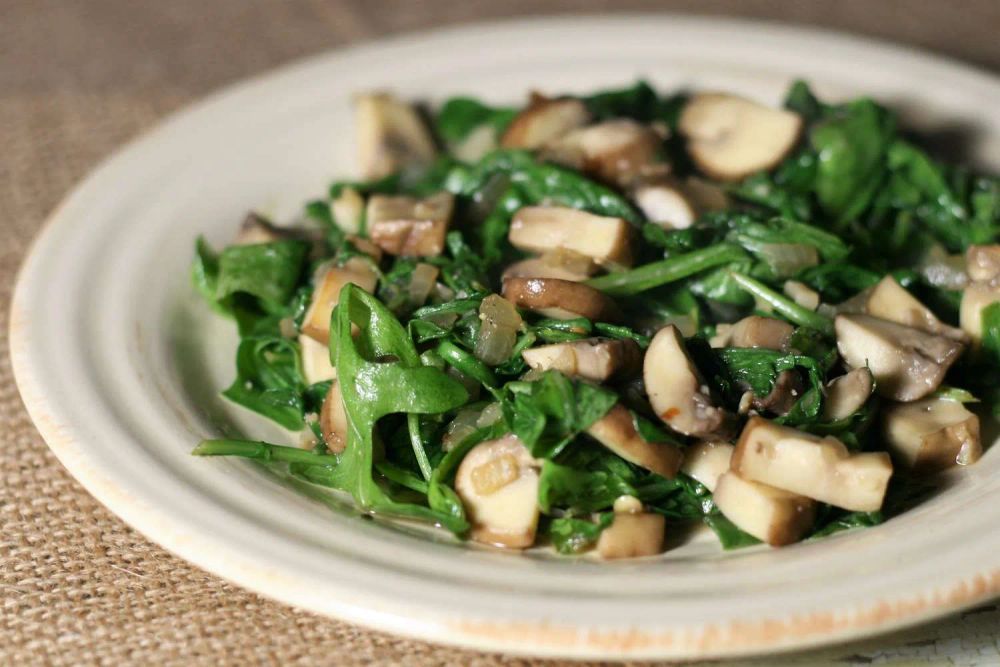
[163, 529]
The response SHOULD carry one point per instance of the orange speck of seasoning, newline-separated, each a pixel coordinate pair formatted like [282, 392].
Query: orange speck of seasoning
[670, 413]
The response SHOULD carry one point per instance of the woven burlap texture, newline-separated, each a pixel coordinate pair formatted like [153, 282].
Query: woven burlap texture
[79, 79]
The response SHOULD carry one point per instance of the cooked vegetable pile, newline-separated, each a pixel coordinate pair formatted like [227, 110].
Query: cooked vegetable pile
[586, 321]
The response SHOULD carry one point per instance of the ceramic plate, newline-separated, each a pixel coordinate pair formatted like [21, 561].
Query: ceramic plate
[120, 364]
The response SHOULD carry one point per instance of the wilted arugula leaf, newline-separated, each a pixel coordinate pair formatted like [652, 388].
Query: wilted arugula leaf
[269, 380]
[548, 413]
[570, 535]
[268, 271]
[461, 115]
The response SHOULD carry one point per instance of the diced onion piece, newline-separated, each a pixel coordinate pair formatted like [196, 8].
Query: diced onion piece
[498, 329]
[464, 424]
[787, 259]
[422, 282]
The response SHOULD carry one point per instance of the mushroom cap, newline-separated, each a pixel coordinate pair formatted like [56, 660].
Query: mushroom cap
[765, 332]
[730, 137]
[676, 390]
[560, 299]
[888, 300]
[410, 227]
[771, 515]
[907, 363]
[617, 151]
[616, 431]
[596, 359]
[846, 394]
[544, 120]
[391, 135]
[819, 468]
[604, 239]
[562, 264]
[932, 435]
[498, 484]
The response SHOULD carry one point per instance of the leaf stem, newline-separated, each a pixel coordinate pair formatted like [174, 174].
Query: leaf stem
[784, 306]
[667, 270]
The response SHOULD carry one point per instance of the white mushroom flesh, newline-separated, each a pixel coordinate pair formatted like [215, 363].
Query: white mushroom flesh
[976, 298]
[819, 468]
[348, 210]
[730, 137]
[666, 205]
[846, 394]
[391, 135]
[543, 121]
[408, 226]
[616, 431]
[632, 536]
[765, 332]
[772, 515]
[889, 301]
[544, 228]
[982, 262]
[562, 264]
[907, 363]
[677, 392]
[802, 294]
[596, 359]
[333, 420]
[615, 151]
[356, 270]
[932, 435]
[316, 366]
[497, 482]
[706, 461]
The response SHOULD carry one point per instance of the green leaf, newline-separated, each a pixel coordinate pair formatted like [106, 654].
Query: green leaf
[269, 380]
[459, 116]
[268, 271]
[570, 535]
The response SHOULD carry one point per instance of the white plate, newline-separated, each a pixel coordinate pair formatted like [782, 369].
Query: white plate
[119, 363]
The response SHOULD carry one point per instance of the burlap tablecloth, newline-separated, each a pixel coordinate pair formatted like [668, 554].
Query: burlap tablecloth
[79, 78]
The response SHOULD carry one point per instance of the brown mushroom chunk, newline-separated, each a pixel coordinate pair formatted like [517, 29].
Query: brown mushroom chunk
[333, 420]
[907, 363]
[976, 298]
[615, 151]
[632, 536]
[772, 515]
[846, 394]
[357, 270]
[560, 299]
[616, 431]
[545, 228]
[932, 435]
[391, 135]
[889, 301]
[497, 482]
[785, 392]
[706, 461]
[561, 263]
[544, 120]
[408, 226]
[677, 392]
[819, 468]
[596, 359]
[730, 137]
[982, 262]
[757, 331]
[255, 229]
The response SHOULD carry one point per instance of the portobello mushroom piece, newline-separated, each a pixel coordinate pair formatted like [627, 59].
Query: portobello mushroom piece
[409, 226]
[560, 299]
[614, 151]
[616, 431]
[542, 121]
[545, 228]
[674, 204]
[497, 482]
[357, 270]
[889, 301]
[256, 229]
[316, 366]
[706, 461]
[907, 363]
[391, 136]
[596, 359]
[932, 435]
[772, 515]
[757, 331]
[677, 392]
[632, 535]
[560, 263]
[730, 137]
[846, 394]
[333, 420]
[819, 468]
[982, 262]
[975, 299]
[348, 210]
